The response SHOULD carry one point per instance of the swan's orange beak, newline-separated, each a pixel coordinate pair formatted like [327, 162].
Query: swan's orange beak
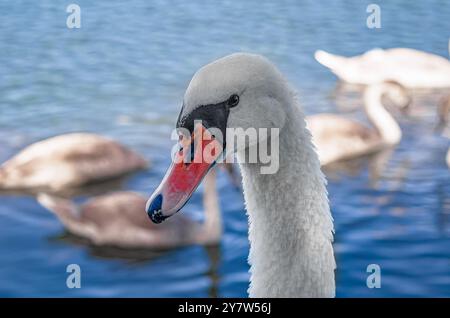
[190, 164]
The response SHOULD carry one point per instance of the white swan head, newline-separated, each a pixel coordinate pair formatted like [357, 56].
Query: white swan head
[390, 92]
[238, 91]
[398, 94]
[258, 84]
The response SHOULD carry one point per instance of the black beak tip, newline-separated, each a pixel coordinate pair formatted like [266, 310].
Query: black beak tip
[154, 210]
[157, 217]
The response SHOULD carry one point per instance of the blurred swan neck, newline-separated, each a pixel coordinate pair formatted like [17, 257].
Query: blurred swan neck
[384, 122]
[211, 229]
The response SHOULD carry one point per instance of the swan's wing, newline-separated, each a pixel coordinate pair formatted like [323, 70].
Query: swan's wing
[120, 219]
[337, 138]
[360, 69]
[98, 158]
[124, 208]
[411, 68]
[70, 160]
[416, 58]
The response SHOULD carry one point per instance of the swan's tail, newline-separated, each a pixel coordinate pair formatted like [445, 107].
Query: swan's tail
[2, 178]
[331, 61]
[10, 178]
[443, 114]
[5, 181]
[66, 211]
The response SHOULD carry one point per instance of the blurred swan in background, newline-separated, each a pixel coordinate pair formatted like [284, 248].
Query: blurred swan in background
[338, 138]
[68, 160]
[443, 126]
[118, 219]
[443, 116]
[409, 67]
[447, 158]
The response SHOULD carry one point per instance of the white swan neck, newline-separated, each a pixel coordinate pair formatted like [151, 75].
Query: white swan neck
[382, 120]
[290, 222]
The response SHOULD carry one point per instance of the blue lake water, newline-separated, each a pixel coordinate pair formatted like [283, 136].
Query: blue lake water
[123, 74]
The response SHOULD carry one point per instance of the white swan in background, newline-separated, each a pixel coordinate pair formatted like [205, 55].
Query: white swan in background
[338, 138]
[443, 116]
[409, 67]
[117, 219]
[447, 158]
[443, 126]
[69, 160]
[291, 228]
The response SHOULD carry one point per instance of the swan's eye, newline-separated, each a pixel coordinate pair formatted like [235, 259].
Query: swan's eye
[233, 100]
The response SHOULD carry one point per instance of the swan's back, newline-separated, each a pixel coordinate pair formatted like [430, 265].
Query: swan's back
[409, 67]
[125, 209]
[338, 138]
[417, 58]
[119, 219]
[67, 161]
